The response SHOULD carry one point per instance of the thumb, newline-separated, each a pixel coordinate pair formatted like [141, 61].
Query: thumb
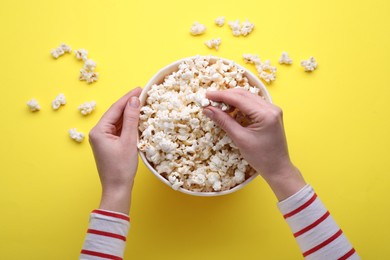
[130, 120]
[224, 121]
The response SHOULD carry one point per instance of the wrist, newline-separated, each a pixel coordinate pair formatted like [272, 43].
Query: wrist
[285, 181]
[118, 199]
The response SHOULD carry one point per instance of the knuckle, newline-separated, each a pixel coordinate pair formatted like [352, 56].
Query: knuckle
[242, 92]
[278, 112]
[92, 134]
[274, 116]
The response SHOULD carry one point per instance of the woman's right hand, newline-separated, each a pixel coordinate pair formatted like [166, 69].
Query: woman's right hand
[263, 142]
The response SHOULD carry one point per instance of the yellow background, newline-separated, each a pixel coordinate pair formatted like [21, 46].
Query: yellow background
[337, 122]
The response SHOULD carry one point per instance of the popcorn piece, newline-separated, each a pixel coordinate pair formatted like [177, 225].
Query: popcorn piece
[236, 27]
[57, 52]
[239, 176]
[214, 180]
[213, 43]
[220, 21]
[252, 59]
[265, 70]
[60, 50]
[184, 145]
[88, 76]
[205, 102]
[244, 29]
[175, 180]
[87, 108]
[247, 27]
[310, 64]
[87, 73]
[285, 59]
[214, 103]
[81, 54]
[77, 136]
[254, 90]
[197, 28]
[225, 107]
[60, 100]
[66, 48]
[90, 65]
[33, 105]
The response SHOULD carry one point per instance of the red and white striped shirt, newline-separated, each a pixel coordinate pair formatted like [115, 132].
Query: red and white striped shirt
[317, 234]
[106, 236]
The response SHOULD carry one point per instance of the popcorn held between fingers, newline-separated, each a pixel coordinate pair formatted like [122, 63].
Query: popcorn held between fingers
[60, 100]
[197, 28]
[309, 65]
[75, 135]
[182, 144]
[87, 108]
[33, 105]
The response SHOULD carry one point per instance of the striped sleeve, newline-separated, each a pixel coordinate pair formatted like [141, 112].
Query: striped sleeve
[106, 236]
[317, 234]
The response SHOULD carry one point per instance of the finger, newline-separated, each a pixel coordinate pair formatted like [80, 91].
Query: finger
[114, 113]
[239, 98]
[224, 121]
[130, 121]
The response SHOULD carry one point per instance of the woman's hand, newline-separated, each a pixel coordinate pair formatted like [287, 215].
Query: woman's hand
[114, 144]
[263, 142]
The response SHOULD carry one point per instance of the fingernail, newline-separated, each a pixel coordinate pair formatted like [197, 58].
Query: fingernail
[208, 113]
[134, 102]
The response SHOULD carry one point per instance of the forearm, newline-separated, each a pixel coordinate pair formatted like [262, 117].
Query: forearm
[318, 235]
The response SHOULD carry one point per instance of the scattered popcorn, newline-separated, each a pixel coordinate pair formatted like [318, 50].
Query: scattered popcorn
[285, 59]
[88, 75]
[264, 69]
[247, 27]
[220, 21]
[77, 136]
[183, 145]
[59, 101]
[197, 28]
[90, 65]
[87, 108]
[213, 43]
[33, 105]
[60, 50]
[243, 29]
[236, 27]
[81, 54]
[310, 64]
